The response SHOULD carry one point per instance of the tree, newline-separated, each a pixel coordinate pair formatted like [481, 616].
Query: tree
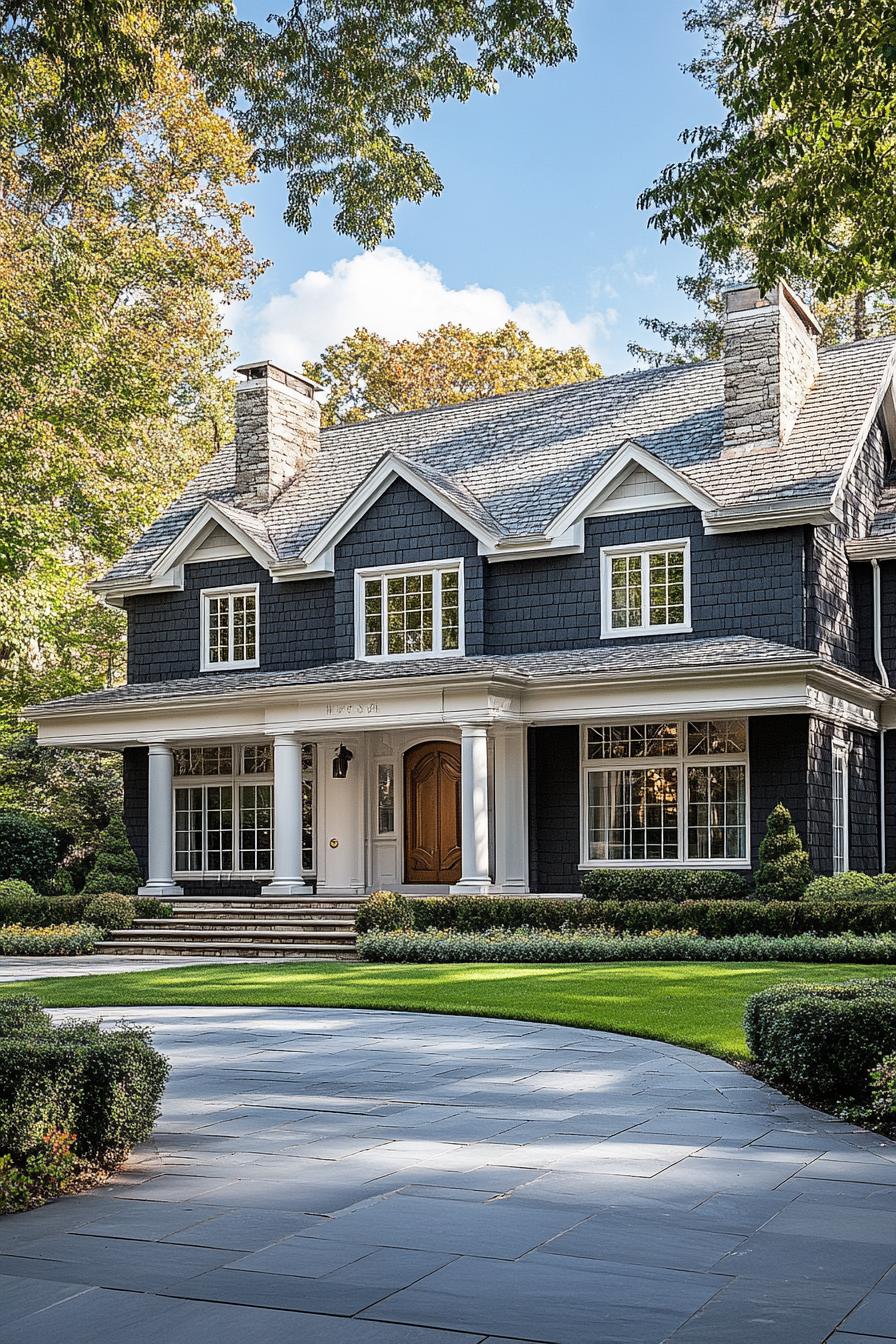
[116, 867]
[783, 873]
[800, 171]
[854, 317]
[321, 92]
[366, 375]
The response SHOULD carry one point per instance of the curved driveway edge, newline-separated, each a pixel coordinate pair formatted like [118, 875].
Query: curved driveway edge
[330, 1176]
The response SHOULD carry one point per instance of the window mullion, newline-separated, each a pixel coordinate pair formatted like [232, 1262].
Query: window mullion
[384, 617]
[645, 590]
[436, 611]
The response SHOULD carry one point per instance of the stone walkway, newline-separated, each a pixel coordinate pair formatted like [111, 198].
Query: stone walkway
[336, 1177]
[44, 968]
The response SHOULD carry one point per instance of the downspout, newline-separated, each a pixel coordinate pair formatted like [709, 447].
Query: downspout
[885, 682]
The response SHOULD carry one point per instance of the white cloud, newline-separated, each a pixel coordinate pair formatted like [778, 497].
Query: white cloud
[398, 297]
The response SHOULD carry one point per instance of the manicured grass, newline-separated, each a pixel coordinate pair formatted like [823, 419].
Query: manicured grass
[699, 1005]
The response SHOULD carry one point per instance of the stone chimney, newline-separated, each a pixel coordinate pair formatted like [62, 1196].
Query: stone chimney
[771, 361]
[277, 431]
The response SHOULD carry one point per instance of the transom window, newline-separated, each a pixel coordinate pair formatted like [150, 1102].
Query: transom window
[645, 589]
[229, 627]
[224, 810]
[666, 792]
[409, 611]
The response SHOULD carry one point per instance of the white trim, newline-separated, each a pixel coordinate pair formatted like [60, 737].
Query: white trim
[192, 533]
[236, 590]
[383, 572]
[644, 549]
[678, 762]
[604, 482]
[840, 752]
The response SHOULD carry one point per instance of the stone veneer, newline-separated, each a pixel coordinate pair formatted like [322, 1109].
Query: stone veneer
[277, 432]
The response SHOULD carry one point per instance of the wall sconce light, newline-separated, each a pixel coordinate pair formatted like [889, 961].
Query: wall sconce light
[340, 762]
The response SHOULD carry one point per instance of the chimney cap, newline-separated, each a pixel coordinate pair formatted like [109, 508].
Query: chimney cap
[748, 297]
[266, 368]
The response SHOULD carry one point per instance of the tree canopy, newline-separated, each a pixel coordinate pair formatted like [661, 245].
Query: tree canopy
[366, 375]
[321, 91]
[801, 170]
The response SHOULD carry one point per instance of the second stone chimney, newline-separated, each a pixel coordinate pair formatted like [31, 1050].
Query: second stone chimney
[277, 431]
[771, 362]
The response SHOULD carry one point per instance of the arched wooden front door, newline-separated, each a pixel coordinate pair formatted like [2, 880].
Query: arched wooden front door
[432, 813]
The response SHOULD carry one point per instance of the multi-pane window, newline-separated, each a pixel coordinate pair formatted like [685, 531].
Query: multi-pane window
[230, 628]
[385, 798]
[224, 809]
[840, 835]
[645, 589]
[406, 613]
[666, 792]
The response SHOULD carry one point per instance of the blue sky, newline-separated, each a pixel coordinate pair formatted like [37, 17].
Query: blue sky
[537, 220]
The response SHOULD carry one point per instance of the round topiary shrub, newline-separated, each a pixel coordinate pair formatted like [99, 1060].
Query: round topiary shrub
[385, 910]
[29, 849]
[842, 887]
[110, 910]
[783, 873]
[15, 889]
[23, 1013]
[115, 867]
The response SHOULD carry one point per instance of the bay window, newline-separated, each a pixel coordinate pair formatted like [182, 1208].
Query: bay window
[409, 611]
[665, 792]
[224, 810]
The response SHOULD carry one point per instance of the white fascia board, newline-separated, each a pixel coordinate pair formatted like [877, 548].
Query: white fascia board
[815, 513]
[884, 392]
[628, 455]
[872, 548]
[190, 535]
[113, 594]
[387, 470]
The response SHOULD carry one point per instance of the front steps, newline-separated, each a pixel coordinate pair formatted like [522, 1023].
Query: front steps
[306, 927]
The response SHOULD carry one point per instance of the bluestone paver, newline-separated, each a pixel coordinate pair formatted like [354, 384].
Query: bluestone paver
[347, 1177]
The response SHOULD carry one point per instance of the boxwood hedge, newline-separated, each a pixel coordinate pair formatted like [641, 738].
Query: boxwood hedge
[663, 884]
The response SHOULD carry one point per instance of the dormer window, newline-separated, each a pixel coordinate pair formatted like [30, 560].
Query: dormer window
[229, 628]
[645, 590]
[409, 611]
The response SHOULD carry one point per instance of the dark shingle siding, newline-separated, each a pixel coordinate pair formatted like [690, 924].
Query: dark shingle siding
[778, 772]
[554, 809]
[745, 584]
[135, 771]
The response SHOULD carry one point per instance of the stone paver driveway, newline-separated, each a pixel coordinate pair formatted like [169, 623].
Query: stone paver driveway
[337, 1177]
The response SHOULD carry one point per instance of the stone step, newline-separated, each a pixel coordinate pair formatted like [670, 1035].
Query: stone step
[304, 903]
[245, 933]
[221, 923]
[164, 948]
[253, 913]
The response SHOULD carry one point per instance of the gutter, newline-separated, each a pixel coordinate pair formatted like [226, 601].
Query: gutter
[882, 736]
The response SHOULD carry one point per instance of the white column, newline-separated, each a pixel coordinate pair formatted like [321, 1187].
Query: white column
[474, 813]
[511, 809]
[160, 878]
[287, 880]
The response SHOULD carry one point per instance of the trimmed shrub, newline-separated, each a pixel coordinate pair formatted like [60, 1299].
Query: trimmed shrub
[783, 873]
[597, 945]
[110, 911]
[663, 884]
[23, 1013]
[13, 888]
[883, 1089]
[36, 911]
[115, 867]
[853, 886]
[63, 884]
[29, 849]
[103, 1087]
[150, 907]
[822, 1041]
[59, 940]
[385, 910]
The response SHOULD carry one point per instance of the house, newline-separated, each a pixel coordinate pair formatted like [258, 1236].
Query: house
[486, 647]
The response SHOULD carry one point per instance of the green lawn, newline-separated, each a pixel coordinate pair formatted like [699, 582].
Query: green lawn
[696, 1004]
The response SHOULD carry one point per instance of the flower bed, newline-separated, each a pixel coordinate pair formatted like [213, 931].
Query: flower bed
[529, 945]
[56, 940]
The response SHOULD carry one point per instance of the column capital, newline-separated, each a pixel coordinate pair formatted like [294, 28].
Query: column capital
[285, 739]
[160, 749]
[474, 728]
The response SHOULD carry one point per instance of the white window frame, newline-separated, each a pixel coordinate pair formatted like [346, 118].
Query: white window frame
[205, 597]
[644, 550]
[236, 779]
[679, 760]
[840, 763]
[384, 572]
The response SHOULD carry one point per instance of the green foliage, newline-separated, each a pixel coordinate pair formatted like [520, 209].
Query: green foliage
[853, 886]
[385, 910]
[320, 91]
[102, 1086]
[148, 907]
[367, 375]
[28, 849]
[14, 889]
[54, 940]
[883, 1089]
[76, 792]
[23, 1013]
[795, 171]
[110, 911]
[38, 1175]
[600, 945]
[35, 911]
[115, 868]
[783, 873]
[821, 1042]
[662, 884]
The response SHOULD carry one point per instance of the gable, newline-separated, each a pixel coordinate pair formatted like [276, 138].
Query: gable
[401, 526]
[638, 489]
[215, 544]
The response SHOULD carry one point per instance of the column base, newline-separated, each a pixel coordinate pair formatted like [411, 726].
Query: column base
[473, 886]
[160, 889]
[286, 886]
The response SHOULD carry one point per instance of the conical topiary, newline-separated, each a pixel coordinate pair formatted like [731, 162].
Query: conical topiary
[783, 873]
[115, 867]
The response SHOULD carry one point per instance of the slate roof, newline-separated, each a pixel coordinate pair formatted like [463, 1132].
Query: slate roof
[515, 461]
[602, 664]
